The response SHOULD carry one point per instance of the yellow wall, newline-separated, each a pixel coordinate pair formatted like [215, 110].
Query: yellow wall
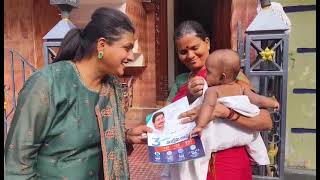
[301, 108]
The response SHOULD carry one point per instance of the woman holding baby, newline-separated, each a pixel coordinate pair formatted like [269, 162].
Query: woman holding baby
[193, 46]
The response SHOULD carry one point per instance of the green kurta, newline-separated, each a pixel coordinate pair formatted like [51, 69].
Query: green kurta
[55, 132]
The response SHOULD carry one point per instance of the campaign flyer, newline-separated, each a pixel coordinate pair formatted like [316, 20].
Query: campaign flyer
[169, 142]
[179, 152]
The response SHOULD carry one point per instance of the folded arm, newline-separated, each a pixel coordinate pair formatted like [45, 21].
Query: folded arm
[261, 101]
[261, 122]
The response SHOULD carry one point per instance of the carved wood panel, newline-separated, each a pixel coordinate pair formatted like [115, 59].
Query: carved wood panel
[161, 51]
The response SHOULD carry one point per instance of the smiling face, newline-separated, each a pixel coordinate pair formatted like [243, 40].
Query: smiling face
[159, 122]
[116, 55]
[193, 51]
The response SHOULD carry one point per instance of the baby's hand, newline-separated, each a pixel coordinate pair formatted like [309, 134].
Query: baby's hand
[196, 131]
[276, 106]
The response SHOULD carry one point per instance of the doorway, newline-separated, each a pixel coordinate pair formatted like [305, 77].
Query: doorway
[213, 15]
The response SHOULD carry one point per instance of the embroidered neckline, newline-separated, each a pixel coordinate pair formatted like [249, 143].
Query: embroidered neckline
[80, 79]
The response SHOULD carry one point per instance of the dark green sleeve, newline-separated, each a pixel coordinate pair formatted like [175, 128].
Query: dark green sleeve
[180, 80]
[28, 130]
[173, 92]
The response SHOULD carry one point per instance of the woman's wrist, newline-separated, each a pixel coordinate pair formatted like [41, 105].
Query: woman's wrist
[233, 115]
[128, 142]
[127, 136]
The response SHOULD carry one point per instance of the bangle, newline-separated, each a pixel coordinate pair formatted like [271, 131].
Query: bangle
[231, 113]
[236, 117]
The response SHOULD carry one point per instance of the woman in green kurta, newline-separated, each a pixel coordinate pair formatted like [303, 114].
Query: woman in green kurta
[69, 121]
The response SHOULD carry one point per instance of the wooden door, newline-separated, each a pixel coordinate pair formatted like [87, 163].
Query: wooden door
[215, 17]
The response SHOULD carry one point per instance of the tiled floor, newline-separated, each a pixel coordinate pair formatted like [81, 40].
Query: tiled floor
[140, 168]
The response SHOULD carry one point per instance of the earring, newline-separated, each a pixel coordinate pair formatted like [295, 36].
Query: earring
[100, 55]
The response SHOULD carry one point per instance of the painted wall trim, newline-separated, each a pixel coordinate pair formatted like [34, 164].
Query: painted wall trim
[306, 50]
[304, 91]
[301, 8]
[303, 130]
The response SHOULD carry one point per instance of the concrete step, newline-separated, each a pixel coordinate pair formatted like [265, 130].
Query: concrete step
[299, 174]
[292, 174]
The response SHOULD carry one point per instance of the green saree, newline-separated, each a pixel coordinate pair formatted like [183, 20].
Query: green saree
[63, 130]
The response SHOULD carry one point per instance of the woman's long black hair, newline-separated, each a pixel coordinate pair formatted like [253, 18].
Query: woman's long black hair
[105, 22]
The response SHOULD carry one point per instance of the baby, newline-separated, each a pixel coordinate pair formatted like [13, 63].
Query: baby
[223, 67]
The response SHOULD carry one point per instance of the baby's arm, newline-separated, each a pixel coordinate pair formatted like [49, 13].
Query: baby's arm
[261, 101]
[206, 110]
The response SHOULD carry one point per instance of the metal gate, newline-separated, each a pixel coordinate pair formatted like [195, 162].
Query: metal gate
[266, 65]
